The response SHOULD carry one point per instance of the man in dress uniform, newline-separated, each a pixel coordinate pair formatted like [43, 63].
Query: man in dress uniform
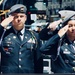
[19, 46]
[61, 47]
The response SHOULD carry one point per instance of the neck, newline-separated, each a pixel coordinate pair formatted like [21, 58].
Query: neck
[18, 28]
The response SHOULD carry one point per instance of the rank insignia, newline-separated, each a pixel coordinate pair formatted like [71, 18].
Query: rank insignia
[66, 51]
[31, 40]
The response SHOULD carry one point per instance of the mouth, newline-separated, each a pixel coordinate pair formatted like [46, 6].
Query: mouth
[73, 32]
[19, 23]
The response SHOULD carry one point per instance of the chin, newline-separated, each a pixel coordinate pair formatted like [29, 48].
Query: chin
[73, 35]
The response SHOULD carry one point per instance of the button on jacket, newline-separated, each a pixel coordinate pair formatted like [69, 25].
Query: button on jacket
[64, 62]
[20, 57]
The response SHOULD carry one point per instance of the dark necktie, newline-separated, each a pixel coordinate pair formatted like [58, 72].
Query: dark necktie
[18, 35]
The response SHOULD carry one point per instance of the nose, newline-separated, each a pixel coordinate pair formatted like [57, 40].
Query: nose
[19, 19]
[73, 27]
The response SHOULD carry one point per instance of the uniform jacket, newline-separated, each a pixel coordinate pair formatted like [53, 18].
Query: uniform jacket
[20, 57]
[64, 62]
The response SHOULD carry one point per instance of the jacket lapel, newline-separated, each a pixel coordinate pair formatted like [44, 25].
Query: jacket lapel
[27, 36]
[13, 35]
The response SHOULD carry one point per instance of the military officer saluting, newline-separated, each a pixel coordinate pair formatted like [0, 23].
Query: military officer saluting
[61, 47]
[19, 53]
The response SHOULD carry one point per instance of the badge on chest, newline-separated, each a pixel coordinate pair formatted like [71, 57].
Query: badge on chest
[66, 51]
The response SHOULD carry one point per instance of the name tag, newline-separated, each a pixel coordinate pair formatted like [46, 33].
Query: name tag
[66, 52]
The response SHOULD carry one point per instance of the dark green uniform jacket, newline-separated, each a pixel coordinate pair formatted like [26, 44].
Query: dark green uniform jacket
[63, 59]
[20, 57]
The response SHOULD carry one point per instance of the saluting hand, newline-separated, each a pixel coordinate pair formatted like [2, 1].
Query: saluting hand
[63, 30]
[52, 26]
[6, 21]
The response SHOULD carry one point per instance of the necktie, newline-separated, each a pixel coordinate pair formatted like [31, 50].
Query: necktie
[18, 35]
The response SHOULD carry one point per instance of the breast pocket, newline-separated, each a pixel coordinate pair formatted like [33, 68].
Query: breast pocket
[7, 47]
[30, 46]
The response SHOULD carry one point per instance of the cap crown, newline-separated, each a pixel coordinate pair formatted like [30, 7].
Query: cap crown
[18, 8]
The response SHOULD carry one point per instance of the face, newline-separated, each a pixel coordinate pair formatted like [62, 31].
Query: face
[19, 20]
[71, 29]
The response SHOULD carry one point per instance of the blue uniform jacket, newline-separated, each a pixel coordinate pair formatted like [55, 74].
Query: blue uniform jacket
[64, 62]
[20, 57]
